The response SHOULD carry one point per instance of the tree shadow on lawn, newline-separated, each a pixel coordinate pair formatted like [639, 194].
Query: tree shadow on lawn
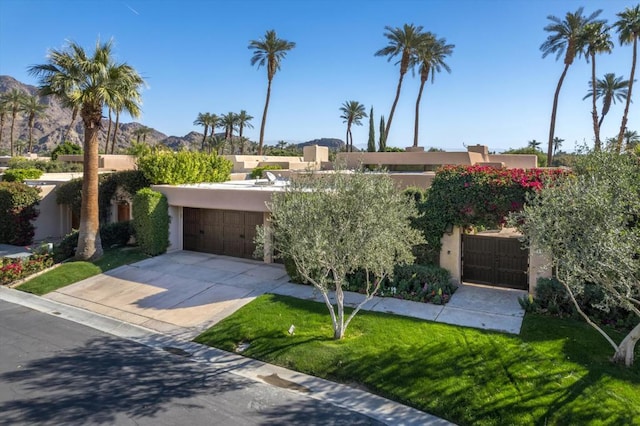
[106, 377]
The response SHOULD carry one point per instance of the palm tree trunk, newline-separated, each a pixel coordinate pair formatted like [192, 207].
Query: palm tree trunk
[89, 244]
[106, 146]
[1, 128]
[204, 138]
[594, 109]
[241, 140]
[74, 113]
[552, 127]
[623, 125]
[264, 117]
[347, 139]
[31, 123]
[13, 121]
[115, 132]
[415, 127]
[393, 108]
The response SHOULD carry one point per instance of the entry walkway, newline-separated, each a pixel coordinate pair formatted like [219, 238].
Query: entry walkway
[183, 293]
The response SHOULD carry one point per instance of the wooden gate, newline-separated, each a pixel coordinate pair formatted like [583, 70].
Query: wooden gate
[226, 232]
[497, 261]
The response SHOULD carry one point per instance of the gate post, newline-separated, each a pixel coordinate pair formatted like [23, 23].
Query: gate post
[539, 267]
[451, 254]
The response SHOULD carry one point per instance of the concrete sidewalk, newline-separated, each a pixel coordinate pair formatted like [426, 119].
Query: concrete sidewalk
[184, 293]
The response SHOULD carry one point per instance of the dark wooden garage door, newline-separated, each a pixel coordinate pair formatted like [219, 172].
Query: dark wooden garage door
[226, 232]
[495, 261]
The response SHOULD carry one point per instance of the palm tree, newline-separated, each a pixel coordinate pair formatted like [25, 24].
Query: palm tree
[83, 82]
[204, 119]
[598, 41]
[243, 120]
[269, 52]
[557, 143]
[628, 27]
[142, 132]
[567, 36]
[610, 89]
[534, 144]
[127, 85]
[632, 139]
[431, 54]
[352, 113]
[229, 121]
[404, 42]
[33, 108]
[15, 101]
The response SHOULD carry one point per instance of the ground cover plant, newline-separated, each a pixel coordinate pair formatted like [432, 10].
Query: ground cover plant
[556, 372]
[72, 272]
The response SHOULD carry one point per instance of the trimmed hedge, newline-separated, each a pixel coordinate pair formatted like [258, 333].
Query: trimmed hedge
[18, 204]
[175, 168]
[151, 221]
[66, 148]
[45, 166]
[257, 172]
[19, 175]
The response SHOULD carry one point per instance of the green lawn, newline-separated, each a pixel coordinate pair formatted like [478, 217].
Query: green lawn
[71, 272]
[555, 372]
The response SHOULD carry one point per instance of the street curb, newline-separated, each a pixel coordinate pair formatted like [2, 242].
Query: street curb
[373, 406]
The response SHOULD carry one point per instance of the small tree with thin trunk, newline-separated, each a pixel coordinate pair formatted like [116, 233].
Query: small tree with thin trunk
[333, 225]
[371, 142]
[589, 226]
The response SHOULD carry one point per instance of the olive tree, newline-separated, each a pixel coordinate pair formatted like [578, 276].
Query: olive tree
[331, 225]
[589, 226]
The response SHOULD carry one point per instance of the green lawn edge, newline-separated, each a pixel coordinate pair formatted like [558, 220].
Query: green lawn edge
[555, 372]
[72, 272]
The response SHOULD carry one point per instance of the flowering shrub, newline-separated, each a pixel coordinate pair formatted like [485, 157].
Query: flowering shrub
[476, 196]
[18, 206]
[12, 269]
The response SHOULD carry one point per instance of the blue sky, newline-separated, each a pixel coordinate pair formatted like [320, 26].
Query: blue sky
[194, 57]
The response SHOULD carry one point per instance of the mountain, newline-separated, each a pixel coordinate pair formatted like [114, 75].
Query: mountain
[49, 129]
[333, 144]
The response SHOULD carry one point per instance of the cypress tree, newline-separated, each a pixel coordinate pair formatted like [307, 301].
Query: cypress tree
[371, 145]
[383, 137]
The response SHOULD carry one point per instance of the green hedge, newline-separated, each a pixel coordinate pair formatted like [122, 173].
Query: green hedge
[175, 168]
[66, 148]
[151, 221]
[257, 172]
[18, 206]
[19, 175]
[45, 166]
[130, 181]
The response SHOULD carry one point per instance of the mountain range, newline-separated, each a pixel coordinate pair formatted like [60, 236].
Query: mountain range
[50, 128]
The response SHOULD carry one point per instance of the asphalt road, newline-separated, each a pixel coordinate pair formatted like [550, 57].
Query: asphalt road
[57, 372]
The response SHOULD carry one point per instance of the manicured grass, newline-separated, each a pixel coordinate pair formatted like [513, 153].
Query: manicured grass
[556, 372]
[71, 272]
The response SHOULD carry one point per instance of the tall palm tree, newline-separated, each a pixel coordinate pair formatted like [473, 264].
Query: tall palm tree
[404, 42]
[15, 101]
[4, 110]
[610, 89]
[142, 132]
[82, 81]
[567, 36]
[128, 85]
[34, 109]
[352, 113]
[598, 41]
[203, 119]
[229, 121]
[557, 143]
[430, 54]
[110, 121]
[269, 52]
[628, 27]
[243, 120]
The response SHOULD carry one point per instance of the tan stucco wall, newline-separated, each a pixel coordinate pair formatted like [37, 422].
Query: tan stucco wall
[54, 220]
[515, 161]
[451, 254]
[253, 200]
[538, 268]
[355, 159]
[109, 162]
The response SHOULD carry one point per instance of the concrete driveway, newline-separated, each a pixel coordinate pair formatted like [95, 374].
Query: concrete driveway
[184, 293]
[180, 293]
